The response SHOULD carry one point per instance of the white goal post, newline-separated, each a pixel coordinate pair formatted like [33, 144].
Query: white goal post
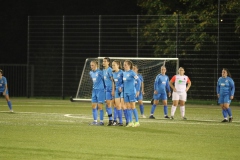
[149, 68]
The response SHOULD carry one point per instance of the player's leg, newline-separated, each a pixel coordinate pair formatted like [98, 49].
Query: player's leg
[134, 110]
[125, 110]
[226, 105]
[165, 107]
[182, 100]
[175, 99]
[94, 107]
[8, 101]
[155, 103]
[109, 107]
[224, 110]
[100, 100]
[119, 111]
[140, 103]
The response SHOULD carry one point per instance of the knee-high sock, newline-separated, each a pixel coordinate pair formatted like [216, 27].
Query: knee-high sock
[101, 115]
[182, 110]
[9, 105]
[119, 113]
[153, 109]
[109, 110]
[94, 112]
[125, 112]
[229, 111]
[173, 109]
[115, 115]
[165, 109]
[135, 113]
[141, 109]
[129, 111]
[224, 112]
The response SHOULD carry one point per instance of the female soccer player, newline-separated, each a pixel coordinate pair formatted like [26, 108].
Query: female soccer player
[181, 85]
[160, 85]
[107, 73]
[97, 93]
[225, 93]
[4, 90]
[130, 92]
[141, 93]
[118, 92]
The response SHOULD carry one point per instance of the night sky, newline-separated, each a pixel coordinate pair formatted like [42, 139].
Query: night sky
[14, 15]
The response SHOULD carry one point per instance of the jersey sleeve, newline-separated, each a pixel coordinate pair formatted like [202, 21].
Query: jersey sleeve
[173, 79]
[167, 85]
[218, 86]
[188, 80]
[232, 87]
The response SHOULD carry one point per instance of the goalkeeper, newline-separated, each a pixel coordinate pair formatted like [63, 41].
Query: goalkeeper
[160, 85]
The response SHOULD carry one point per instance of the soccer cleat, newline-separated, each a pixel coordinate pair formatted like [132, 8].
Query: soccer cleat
[93, 123]
[110, 123]
[115, 123]
[166, 116]
[171, 117]
[137, 124]
[224, 120]
[151, 117]
[130, 124]
[143, 116]
[120, 124]
[230, 119]
[184, 118]
[100, 124]
[11, 110]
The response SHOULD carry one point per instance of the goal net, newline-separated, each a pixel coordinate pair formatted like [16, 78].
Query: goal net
[149, 68]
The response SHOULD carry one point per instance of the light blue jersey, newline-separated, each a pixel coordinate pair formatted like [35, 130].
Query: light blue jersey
[107, 73]
[97, 78]
[139, 85]
[129, 78]
[161, 84]
[225, 86]
[3, 82]
[118, 79]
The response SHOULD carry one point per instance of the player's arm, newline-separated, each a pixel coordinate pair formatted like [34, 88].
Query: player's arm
[188, 84]
[218, 89]
[168, 88]
[171, 83]
[113, 87]
[6, 87]
[232, 88]
[155, 85]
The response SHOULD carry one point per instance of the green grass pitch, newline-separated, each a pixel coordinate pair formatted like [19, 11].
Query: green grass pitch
[58, 129]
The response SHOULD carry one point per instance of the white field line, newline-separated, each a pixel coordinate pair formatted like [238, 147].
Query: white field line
[165, 121]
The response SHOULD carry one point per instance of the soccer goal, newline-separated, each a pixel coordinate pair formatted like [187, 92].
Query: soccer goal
[149, 68]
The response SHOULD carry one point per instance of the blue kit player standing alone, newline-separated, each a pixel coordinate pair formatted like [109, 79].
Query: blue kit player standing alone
[97, 93]
[107, 73]
[160, 85]
[225, 93]
[4, 90]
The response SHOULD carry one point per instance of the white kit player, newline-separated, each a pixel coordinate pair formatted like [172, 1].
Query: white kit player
[180, 84]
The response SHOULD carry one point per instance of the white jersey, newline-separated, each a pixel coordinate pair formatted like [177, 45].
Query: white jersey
[180, 82]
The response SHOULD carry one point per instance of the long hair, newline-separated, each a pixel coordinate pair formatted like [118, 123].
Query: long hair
[119, 63]
[129, 63]
[1, 71]
[228, 73]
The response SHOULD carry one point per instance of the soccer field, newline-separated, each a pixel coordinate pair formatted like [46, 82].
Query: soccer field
[58, 129]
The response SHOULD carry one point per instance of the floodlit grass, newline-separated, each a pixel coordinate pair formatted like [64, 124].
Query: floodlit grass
[58, 129]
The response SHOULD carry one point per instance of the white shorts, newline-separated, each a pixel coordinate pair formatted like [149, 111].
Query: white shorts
[179, 96]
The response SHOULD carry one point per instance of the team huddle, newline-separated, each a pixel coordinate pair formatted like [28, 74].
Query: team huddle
[122, 88]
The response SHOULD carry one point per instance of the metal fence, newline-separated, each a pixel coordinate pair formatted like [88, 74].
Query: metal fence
[59, 45]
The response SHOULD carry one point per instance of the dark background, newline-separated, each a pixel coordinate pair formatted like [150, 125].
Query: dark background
[14, 19]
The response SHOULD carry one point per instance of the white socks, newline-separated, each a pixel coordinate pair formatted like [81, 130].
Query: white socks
[173, 109]
[182, 110]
